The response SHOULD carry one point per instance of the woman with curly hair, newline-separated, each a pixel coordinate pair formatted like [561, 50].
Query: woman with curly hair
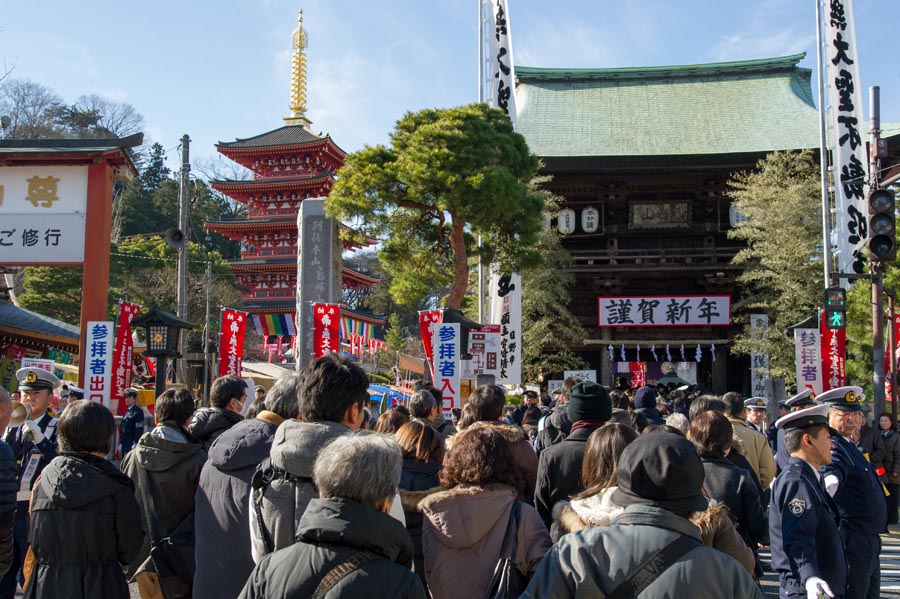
[464, 525]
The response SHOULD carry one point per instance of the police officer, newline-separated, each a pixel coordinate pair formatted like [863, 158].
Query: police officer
[132, 426]
[797, 402]
[804, 524]
[755, 413]
[860, 498]
[34, 445]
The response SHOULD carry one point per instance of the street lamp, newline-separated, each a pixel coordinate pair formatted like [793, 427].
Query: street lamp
[162, 331]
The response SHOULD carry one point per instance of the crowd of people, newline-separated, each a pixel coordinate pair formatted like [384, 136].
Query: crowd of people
[307, 491]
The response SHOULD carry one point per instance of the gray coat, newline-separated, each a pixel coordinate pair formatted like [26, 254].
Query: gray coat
[593, 562]
[294, 450]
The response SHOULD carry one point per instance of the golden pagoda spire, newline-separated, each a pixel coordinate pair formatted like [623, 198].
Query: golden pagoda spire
[298, 77]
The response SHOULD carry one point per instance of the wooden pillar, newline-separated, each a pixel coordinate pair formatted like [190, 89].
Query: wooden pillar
[720, 371]
[97, 229]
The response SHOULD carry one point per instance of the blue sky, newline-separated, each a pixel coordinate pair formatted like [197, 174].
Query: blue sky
[221, 70]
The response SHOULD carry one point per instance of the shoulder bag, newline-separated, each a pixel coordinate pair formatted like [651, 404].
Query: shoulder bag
[508, 581]
[340, 571]
[650, 570]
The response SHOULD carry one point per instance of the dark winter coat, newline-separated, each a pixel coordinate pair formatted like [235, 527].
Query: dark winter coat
[556, 428]
[222, 514]
[173, 470]
[8, 488]
[85, 525]
[728, 484]
[208, 423]
[890, 457]
[872, 443]
[559, 472]
[418, 480]
[131, 428]
[331, 531]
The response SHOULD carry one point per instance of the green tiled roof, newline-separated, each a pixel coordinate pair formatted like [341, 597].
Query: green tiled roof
[720, 108]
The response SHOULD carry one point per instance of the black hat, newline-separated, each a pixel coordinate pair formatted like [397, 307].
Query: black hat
[663, 470]
[645, 397]
[589, 401]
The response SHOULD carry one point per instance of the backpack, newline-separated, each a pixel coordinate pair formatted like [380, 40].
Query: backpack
[265, 473]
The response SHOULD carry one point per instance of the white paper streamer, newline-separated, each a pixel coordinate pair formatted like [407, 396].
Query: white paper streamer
[698, 355]
[712, 351]
[622, 350]
[682, 353]
[653, 351]
[668, 354]
[637, 353]
[612, 355]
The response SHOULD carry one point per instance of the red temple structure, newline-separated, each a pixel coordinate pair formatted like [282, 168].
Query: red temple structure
[289, 164]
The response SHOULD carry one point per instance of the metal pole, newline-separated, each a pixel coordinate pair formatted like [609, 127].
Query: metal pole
[823, 151]
[184, 223]
[892, 349]
[876, 267]
[206, 335]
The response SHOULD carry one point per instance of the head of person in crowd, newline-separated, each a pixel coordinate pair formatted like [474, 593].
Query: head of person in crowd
[638, 421]
[554, 397]
[530, 398]
[256, 406]
[401, 407]
[86, 427]
[704, 403]
[37, 386]
[131, 396]
[487, 403]
[807, 435]
[566, 387]
[455, 415]
[885, 422]
[364, 468]
[545, 401]
[466, 417]
[678, 421]
[333, 389]
[711, 433]
[601, 455]
[783, 409]
[390, 422]
[259, 391]
[5, 408]
[661, 470]
[734, 404]
[228, 392]
[662, 428]
[481, 456]
[619, 400]
[421, 442]
[284, 396]
[532, 416]
[845, 414]
[755, 410]
[174, 406]
[800, 401]
[509, 414]
[589, 402]
[422, 405]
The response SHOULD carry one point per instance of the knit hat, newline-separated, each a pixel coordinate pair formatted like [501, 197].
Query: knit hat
[662, 470]
[645, 397]
[589, 401]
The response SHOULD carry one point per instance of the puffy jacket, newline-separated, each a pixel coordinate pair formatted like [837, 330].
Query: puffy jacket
[330, 532]
[593, 562]
[8, 488]
[222, 515]
[85, 525]
[462, 534]
[294, 450]
[756, 450]
[173, 470]
[208, 423]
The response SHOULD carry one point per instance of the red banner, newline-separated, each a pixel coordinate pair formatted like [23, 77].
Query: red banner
[122, 360]
[638, 372]
[426, 319]
[834, 348]
[326, 329]
[231, 341]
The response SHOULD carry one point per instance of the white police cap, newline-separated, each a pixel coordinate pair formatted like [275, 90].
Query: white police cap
[756, 403]
[803, 418]
[33, 379]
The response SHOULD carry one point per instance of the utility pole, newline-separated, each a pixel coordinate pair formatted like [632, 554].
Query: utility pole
[892, 349]
[206, 336]
[184, 223]
[876, 265]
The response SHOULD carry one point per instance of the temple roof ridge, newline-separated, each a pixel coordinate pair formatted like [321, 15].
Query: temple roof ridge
[286, 135]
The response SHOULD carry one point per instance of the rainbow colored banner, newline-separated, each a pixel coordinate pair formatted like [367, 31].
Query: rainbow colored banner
[270, 325]
[350, 327]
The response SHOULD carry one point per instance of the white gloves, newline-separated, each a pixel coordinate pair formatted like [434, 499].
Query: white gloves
[831, 484]
[816, 588]
[30, 427]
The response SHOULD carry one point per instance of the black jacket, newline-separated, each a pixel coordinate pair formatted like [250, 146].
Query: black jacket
[890, 457]
[556, 428]
[85, 525]
[173, 470]
[8, 486]
[23, 447]
[417, 481]
[559, 473]
[330, 532]
[728, 484]
[208, 423]
[223, 508]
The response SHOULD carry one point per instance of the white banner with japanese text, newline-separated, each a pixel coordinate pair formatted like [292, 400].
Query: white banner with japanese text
[846, 126]
[665, 311]
[808, 360]
[99, 348]
[445, 338]
[759, 359]
[506, 310]
[501, 77]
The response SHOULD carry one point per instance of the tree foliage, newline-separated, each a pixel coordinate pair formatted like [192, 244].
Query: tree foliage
[783, 259]
[448, 176]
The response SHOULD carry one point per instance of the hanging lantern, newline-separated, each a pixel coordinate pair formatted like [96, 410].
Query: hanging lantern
[590, 219]
[566, 221]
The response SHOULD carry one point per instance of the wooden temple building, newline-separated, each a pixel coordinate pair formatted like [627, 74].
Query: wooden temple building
[289, 164]
[642, 157]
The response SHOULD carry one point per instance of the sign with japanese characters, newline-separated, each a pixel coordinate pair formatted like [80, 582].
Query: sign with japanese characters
[506, 310]
[846, 127]
[500, 73]
[447, 364]
[10, 361]
[808, 360]
[584, 375]
[326, 329]
[37, 363]
[36, 238]
[231, 341]
[759, 359]
[484, 347]
[122, 361]
[834, 347]
[100, 347]
[665, 311]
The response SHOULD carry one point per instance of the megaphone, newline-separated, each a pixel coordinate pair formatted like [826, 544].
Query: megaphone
[175, 238]
[20, 413]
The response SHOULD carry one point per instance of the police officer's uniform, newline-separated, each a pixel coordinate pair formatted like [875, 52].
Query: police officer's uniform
[797, 402]
[860, 499]
[31, 458]
[756, 403]
[132, 426]
[804, 524]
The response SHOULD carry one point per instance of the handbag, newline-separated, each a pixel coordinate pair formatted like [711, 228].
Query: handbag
[508, 582]
[172, 556]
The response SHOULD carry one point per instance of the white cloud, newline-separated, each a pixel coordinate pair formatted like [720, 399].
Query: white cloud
[762, 44]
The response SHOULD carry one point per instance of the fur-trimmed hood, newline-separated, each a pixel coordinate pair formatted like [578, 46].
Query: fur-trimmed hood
[578, 514]
[464, 515]
[510, 432]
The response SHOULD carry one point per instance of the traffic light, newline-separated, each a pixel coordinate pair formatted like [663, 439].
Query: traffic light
[835, 308]
[882, 225]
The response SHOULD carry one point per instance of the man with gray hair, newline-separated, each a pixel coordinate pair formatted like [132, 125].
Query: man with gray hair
[347, 544]
[222, 512]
